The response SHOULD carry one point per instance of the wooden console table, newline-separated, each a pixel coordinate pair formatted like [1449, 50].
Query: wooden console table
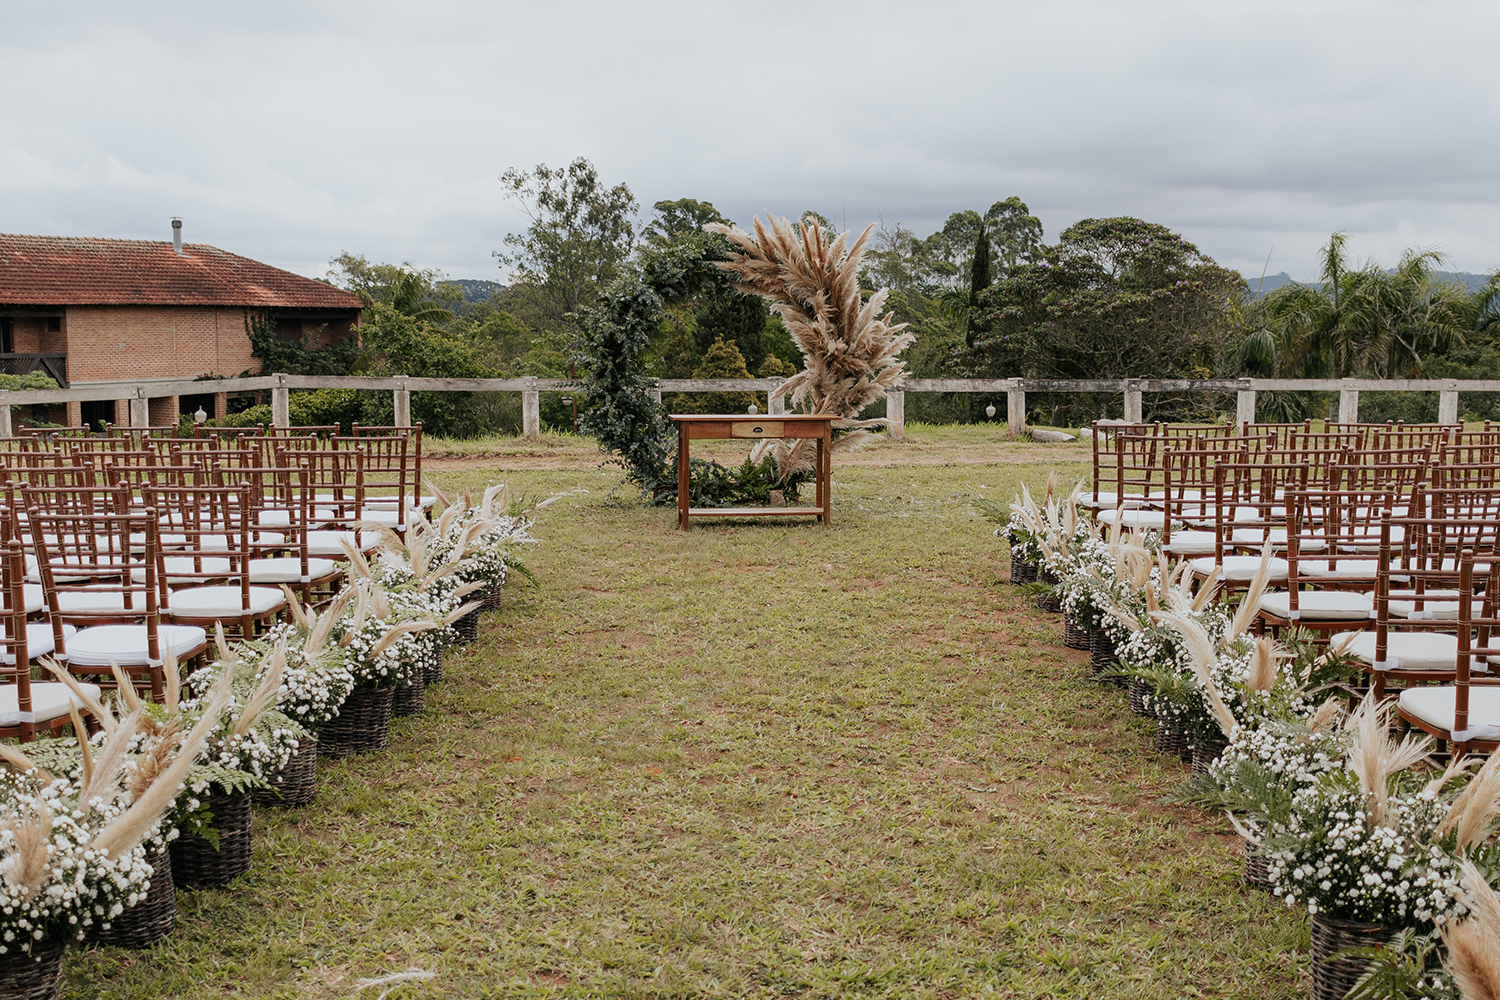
[818, 426]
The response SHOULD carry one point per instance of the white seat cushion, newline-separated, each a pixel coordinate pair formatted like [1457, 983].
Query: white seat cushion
[126, 644]
[288, 569]
[178, 568]
[222, 602]
[1408, 650]
[1276, 536]
[1342, 569]
[35, 599]
[1240, 569]
[325, 544]
[1133, 518]
[1433, 705]
[39, 641]
[60, 568]
[1437, 610]
[1106, 498]
[1319, 605]
[97, 602]
[275, 518]
[49, 700]
[1192, 543]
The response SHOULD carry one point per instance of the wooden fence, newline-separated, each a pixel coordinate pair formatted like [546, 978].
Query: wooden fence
[401, 387]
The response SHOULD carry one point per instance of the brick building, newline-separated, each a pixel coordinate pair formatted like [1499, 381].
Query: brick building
[96, 311]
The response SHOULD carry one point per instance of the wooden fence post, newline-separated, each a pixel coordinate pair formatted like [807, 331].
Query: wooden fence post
[140, 409]
[401, 402]
[1132, 402]
[895, 413]
[5, 429]
[531, 412]
[281, 403]
[1015, 408]
[1448, 405]
[775, 404]
[1348, 405]
[1244, 409]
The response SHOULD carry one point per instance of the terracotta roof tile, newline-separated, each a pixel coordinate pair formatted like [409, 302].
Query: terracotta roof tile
[79, 271]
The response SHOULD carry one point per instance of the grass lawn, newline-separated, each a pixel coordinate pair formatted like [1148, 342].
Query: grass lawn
[758, 759]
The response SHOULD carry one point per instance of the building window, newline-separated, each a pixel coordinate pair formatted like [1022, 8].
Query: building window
[54, 324]
[7, 338]
[288, 331]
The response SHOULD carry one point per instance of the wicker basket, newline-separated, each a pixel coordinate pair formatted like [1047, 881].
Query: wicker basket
[37, 976]
[1140, 690]
[467, 627]
[434, 674]
[296, 784]
[151, 919]
[1206, 750]
[363, 725]
[1102, 656]
[408, 699]
[195, 862]
[1257, 871]
[491, 599]
[1334, 978]
[1075, 636]
[1171, 740]
[1022, 572]
[1050, 603]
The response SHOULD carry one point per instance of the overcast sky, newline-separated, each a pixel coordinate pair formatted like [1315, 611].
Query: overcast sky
[292, 131]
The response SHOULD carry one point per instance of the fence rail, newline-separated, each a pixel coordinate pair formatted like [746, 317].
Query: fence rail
[1015, 389]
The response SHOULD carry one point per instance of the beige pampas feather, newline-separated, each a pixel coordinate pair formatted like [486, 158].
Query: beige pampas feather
[1471, 813]
[106, 769]
[265, 692]
[1201, 652]
[221, 641]
[294, 605]
[1244, 617]
[850, 351]
[459, 612]
[1473, 943]
[127, 829]
[357, 560]
[1373, 757]
[389, 639]
[1208, 588]
[1326, 715]
[1051, 488]
[85, 749]
[124, 687]
[172, 678]
[443, 499]
[25, 867]
[379, 602]
[90, 703]
[21, 762]
[1262, 675]
[158, 753]
[389, 540]
[323, 623]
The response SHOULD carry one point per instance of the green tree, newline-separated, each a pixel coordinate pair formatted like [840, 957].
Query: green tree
[1015, 234]
[684, 215]
[581, 233]
[410, 290]
[722, 360]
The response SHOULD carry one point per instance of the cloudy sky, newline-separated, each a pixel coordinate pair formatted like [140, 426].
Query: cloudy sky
[292, 131]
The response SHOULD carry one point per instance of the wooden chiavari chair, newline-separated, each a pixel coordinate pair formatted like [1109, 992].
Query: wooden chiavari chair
[84, 561]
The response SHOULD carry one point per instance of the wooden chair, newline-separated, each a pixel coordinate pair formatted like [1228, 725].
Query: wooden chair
[84, 561]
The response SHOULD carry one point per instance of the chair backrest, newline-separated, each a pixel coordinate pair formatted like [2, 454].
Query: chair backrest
[1478, 638]
[13, 643]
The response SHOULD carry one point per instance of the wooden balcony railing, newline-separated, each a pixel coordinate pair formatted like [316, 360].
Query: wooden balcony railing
[55, 365]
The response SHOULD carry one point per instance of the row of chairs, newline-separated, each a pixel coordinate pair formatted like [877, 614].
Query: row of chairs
[119, 561]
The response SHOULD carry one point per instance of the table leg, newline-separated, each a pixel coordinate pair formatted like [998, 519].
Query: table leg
[683, 477]
[825, 488]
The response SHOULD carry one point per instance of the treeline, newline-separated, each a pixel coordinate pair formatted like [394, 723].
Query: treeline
[985, 296]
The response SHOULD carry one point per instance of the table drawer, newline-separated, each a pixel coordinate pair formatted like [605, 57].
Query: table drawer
[757, 428]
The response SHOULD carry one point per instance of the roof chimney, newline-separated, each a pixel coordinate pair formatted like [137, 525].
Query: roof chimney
[177, 236]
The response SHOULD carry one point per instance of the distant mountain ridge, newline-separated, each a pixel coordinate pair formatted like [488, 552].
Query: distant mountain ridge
[475, 289]
[1473, 282]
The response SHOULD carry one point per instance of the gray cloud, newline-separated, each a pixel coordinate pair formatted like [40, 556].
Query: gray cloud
[293, 131]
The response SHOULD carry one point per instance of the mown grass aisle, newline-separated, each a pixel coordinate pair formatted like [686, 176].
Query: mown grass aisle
[755, 760]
